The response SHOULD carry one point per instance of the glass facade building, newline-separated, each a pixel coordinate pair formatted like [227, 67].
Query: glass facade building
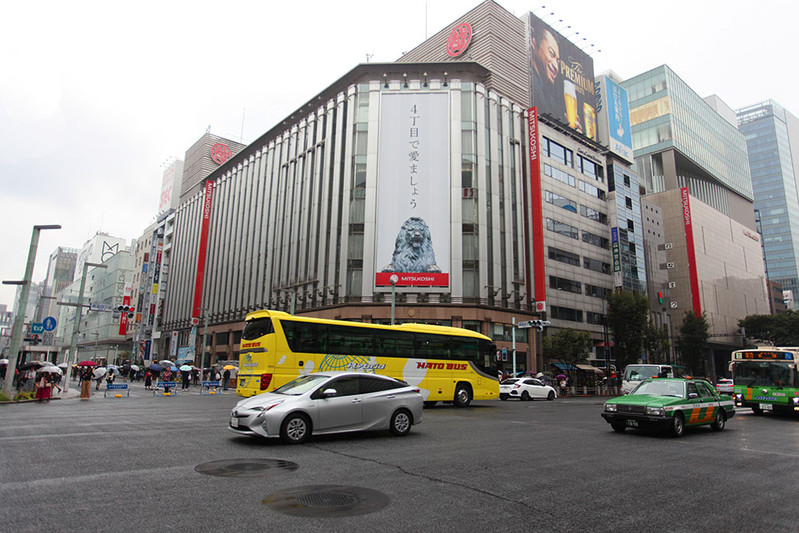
[773, 155]
[681, 141]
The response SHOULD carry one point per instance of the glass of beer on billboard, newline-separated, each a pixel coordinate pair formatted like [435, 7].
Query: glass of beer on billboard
[570, 97]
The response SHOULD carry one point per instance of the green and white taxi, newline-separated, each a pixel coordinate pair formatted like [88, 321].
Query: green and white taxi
[669, 404]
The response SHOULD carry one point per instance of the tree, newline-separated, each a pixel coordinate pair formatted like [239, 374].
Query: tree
[780, 330]
[628, 314]
[656, 343]
[692, 341]
[567, 345]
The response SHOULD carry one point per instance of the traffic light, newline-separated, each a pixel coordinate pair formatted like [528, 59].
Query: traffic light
[126, 309]
[660, 297]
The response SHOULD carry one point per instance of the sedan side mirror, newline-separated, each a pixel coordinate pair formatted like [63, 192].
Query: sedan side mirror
[329, 393]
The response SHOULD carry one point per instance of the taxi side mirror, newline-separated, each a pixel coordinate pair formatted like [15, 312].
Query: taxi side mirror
[692, 396]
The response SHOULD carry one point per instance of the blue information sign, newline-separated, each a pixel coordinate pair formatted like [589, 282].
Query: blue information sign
[49, 323]
[37, 328]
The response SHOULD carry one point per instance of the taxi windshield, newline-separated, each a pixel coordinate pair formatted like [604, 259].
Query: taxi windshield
[661, 388]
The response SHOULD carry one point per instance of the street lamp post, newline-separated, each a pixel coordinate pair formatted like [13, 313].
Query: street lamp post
[73, 347]
[19, 318]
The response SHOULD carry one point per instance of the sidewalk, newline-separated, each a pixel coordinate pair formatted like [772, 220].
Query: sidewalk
[136, 387]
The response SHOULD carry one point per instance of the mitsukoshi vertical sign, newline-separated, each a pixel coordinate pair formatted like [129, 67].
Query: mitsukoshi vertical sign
[413, 241]
[691, 251]
[206, 219]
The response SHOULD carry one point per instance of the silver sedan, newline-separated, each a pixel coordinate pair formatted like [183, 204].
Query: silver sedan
[329, 402]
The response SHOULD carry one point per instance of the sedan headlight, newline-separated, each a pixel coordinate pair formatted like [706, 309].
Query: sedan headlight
[655, 411]
[267, 407]
[610, 407]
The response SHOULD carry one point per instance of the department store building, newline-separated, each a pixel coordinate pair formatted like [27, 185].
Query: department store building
[512, 209]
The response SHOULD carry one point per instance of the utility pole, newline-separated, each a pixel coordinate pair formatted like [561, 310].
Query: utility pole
[73, 347]
[19, 317]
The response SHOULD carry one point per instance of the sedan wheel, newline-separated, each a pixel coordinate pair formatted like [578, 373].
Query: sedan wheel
[525, 396]
[551, 396]
[295, 429]
[720, 422]
[401, 422]
[678, 425]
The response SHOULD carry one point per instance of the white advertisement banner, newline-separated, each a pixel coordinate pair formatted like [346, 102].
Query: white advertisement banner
[413, 241]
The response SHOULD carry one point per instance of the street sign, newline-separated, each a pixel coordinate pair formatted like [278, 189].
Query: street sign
[37, 328]
[106, 308]
[49, 323]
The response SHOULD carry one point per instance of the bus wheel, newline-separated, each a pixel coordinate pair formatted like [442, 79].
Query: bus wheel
[295, 429]
[400, 422]
[718, 425]
[463, 395]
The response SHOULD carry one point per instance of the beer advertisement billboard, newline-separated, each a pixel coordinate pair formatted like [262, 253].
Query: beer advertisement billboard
[562, 79]
[413, 215]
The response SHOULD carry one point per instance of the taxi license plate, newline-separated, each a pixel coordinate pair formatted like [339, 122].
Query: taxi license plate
[632, 423]
[766, 406]
[234, 422]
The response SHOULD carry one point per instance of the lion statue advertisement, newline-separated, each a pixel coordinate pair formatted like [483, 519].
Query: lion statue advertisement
[413, 250]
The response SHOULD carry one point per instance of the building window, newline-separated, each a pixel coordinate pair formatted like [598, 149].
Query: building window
[566, 313]
[593, 214]
[593, 191]
[558, 152]
[596, 292]
[596, 265]
[556, 254]
[561, 176]
[628, 202]
[594, 318]
[596, 240]
[630, 226]
[562, 228]
[591, 169]
[563, 284]
[560, 201]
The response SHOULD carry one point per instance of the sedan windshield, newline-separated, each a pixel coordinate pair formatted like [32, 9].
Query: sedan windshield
[301, 385]
[660, 388]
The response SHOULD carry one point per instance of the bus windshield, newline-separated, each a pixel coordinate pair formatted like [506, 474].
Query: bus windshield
[764, 374]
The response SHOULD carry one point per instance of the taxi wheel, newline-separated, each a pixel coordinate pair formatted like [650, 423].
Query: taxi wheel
[618, 427]
[721, 420]
[525, 396]
[295, 429]
[401, 422]
[678, 425]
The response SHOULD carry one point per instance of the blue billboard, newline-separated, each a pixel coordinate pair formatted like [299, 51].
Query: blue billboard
[613, 117]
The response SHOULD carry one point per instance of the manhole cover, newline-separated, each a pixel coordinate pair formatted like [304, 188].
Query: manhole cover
[316, 501]
[244, 467]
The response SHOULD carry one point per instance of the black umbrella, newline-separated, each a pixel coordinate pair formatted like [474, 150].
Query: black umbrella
[155, 367]
[32, 364]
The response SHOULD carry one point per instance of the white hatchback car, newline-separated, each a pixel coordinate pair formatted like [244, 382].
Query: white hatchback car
[525, 389]
[724, 386]
[329, 402]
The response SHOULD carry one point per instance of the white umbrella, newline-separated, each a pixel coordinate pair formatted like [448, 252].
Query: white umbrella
[166, 363]
[63, 365]
[134, 367]
[99, 372]
[3, 361]
[51, 369]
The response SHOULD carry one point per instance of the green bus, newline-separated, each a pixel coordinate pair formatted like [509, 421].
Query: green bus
[766, 379]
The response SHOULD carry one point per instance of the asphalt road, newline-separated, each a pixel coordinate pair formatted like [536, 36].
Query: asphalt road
[132, 464]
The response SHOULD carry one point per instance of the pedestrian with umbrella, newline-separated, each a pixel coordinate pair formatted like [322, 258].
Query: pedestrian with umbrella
[86, 375]
[185, 372]
[562, 381]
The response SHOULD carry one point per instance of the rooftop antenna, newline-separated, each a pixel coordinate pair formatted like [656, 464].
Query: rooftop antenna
[241, 135]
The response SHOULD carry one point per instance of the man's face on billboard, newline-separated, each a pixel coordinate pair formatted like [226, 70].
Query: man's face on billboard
[545, 55]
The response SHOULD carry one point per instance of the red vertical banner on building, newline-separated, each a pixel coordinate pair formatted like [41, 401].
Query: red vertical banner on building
[123, 317]
[198, 281]
[536, 207]
[691, 252]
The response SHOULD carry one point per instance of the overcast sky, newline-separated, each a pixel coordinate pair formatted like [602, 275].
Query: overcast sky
[96, 96]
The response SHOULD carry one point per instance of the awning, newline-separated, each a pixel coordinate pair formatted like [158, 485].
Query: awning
[589, 368]
[564, 366]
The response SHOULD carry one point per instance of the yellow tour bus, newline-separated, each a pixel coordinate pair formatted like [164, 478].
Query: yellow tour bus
[447, 364]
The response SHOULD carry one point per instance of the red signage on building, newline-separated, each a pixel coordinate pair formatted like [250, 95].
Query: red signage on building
[123, 317]
[459, 40]
[691, 252]
[220, 153]
[198, 280]
[537, 208]
[411, 279]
